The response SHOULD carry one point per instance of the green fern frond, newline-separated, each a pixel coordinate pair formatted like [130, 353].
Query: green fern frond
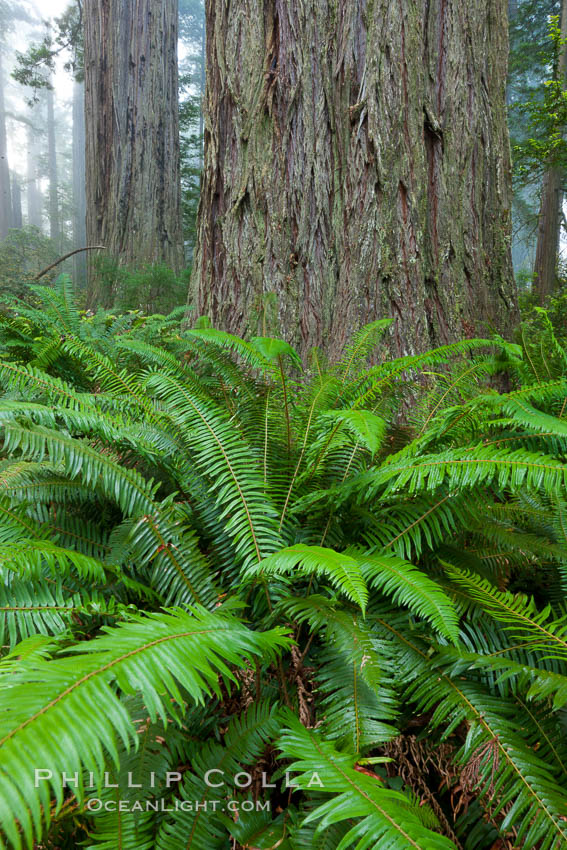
[359, 348]
[165, 656]
[457, 469]
[344, 572]
[225, 460]
[31, 607]
[547, 633]
[380, 815]
[214, 766]
[179, 572]
[355, 700]
[79, 459]
[366, 427]
[512, 782]
[409, 586]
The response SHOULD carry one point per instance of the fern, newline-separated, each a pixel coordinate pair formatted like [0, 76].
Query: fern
[173, 654]
[380, 815]
[214, 767]
[378, 547]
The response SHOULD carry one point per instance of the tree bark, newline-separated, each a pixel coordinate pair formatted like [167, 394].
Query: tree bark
[34, 200]
[356, 165]
[54, 222]
[201, 96]
[549, 226]
[79, 197]
[5, 189]
[547, 247]
[132, 134]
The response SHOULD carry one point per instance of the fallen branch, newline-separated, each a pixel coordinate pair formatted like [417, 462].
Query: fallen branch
[66, 257]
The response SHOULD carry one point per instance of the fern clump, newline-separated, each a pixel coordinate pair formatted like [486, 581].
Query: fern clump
[328, 600]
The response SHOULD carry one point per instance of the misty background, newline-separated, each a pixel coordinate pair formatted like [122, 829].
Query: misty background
[42, 125]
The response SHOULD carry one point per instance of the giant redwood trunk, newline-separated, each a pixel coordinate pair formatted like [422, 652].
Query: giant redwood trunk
[132, 133]
[356, 165]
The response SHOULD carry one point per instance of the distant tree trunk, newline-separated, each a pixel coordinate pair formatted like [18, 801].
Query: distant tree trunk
[547, 247]
[357, 165]
[54, 222]
[17, 220]
[5, 191]
[79, 199]
[34, 200]
[202, 96]
[132, 133]
[549, 227]
[512, 14]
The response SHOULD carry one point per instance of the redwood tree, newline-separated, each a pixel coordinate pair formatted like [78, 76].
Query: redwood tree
[33, 191]
[132, 133]
[79, 201]
[549, 225]
[356, 165]
[54, 220]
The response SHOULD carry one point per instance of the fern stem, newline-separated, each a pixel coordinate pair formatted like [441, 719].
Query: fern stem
[298, 465]
[451, 386]
[417, 521]
[332, 513]
[266, 441]
[286, 407]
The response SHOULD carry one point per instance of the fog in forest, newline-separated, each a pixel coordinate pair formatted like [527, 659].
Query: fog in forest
[42, 134]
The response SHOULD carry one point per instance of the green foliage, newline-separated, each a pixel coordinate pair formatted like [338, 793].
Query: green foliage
[191, 154]
[530, 66]
[543, 337]
[23, 254]
[63, 37]
[381, 815]
[150, 288]
[155, 655]
[546, 114]
[219, 564]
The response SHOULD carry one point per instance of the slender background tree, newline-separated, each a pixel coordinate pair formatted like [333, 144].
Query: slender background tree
[54, 220]
[549, 226]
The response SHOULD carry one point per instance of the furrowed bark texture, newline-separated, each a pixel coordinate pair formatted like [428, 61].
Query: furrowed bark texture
[132, 133]
[547, 247]
[357, 165]
[79, 200]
